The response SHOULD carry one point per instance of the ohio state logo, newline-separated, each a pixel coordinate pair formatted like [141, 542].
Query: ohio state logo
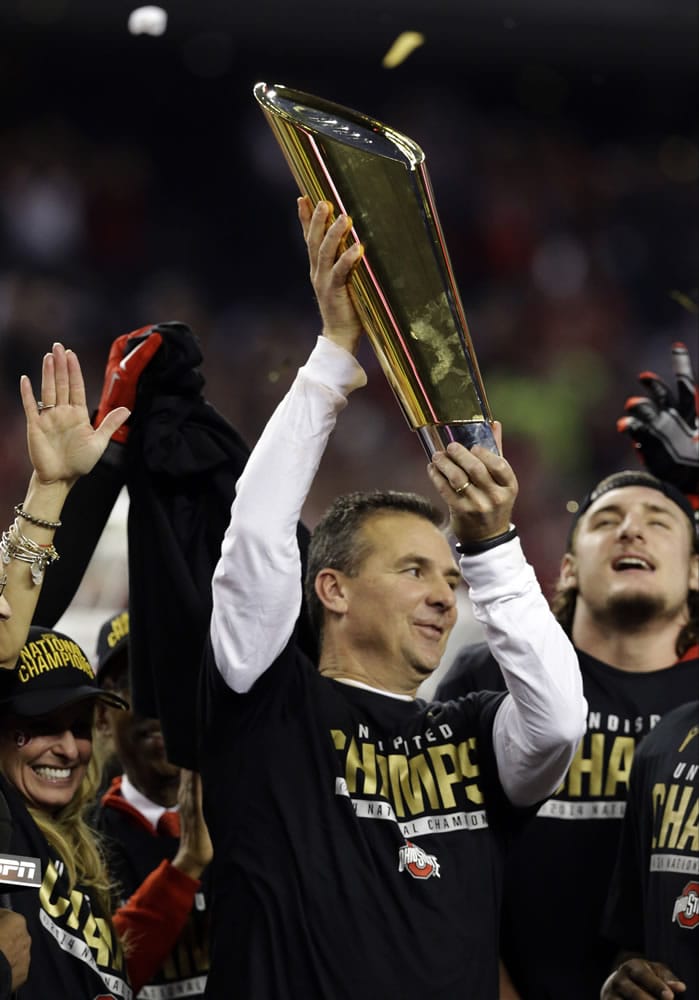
[686, 909]
[414, 860]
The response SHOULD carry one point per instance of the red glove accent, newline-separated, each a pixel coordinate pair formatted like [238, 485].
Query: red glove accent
[128, 356]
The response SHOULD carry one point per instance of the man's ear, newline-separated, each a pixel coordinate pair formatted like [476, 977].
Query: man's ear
[568, 576]
[331, 590]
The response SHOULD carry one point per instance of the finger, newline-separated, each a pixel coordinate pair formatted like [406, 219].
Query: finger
[458, 466]
[76, 383]
[346, 262]
[111, 423]
[630, 425]
[48, 379]
[61, 377]
[332, 241]
[656, 388]
[449, 468]
[482, 466]
[498, 468]
[496, 428]
[316, 230]
[642, 408]
[687, 387]
[28, 399]
[304, 207]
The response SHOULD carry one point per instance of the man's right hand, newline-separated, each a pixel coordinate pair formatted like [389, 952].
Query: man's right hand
[330, 269]
[642, 980]
[15, 944]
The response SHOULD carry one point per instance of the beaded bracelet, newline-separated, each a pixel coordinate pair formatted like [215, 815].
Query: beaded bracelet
[475, 548]
[15, 545]
[38, 521]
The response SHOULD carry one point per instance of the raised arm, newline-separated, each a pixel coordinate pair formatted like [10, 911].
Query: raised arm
[62, 446]
[539, 725]
[257, 583]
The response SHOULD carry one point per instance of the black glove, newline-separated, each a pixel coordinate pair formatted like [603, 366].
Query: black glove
[665, 428]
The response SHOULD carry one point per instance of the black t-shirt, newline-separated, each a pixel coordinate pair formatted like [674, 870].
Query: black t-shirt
[558, 872]
[75, 954]
[133, 852]
[358, 840]
[654, 900]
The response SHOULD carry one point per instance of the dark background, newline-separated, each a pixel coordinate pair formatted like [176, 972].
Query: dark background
[139, 182]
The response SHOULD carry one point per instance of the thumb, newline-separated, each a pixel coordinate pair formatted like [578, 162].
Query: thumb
[112, 422]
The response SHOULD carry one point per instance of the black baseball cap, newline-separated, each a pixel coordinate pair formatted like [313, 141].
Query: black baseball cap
[51, 671]
[112, 644]
[633, 477]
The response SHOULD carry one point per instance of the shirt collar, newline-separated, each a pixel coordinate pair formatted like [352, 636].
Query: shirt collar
[152, 811]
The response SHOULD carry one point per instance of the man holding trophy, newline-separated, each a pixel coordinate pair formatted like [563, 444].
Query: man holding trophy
[359, 832]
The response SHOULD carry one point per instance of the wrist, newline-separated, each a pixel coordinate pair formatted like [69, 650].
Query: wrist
[188, 865]
[45, 500]
[475, 547]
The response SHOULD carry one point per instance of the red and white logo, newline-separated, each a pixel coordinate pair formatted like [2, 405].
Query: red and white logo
[686, 909]
[414, 860]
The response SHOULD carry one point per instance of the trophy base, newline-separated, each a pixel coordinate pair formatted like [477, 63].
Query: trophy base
[436, 437]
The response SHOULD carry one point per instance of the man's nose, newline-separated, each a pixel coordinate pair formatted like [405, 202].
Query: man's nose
[443, 594]
[631, 526]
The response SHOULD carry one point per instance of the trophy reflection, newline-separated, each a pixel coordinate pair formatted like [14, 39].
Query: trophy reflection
[403, 287]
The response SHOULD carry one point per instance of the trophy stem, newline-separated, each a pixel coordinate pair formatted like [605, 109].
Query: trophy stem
[436, 437]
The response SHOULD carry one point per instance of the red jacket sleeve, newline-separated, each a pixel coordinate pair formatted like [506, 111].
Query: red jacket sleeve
[151, 922]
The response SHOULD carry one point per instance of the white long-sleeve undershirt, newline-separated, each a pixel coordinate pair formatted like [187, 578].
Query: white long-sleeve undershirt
[257, 588]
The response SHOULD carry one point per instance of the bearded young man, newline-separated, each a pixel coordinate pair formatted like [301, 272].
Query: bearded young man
[628, 595]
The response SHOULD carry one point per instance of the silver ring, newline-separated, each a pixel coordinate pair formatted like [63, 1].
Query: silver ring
[44, 406]
[462, 488]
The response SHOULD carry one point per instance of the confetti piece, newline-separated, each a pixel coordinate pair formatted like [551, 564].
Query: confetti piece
[685, 300]
[147, 21]
[406, 43]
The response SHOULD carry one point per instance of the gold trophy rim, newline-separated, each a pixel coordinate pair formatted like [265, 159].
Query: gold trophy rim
[411, 150]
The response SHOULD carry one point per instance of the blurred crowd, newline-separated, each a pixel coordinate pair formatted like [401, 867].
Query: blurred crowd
[574, 245]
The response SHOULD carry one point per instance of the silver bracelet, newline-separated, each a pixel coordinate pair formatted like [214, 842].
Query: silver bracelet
[15, 545]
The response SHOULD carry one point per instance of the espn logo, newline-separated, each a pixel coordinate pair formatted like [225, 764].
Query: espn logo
[15, 870]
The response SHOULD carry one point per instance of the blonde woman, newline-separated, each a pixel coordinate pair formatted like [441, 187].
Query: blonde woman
[46, 713]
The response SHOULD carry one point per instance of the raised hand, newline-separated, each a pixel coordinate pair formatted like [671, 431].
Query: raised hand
[479, 488]
[62, 442]
[195, 850]
[330, 267]
[665, 425]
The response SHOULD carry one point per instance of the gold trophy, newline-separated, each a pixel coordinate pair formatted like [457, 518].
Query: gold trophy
[403, 287]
